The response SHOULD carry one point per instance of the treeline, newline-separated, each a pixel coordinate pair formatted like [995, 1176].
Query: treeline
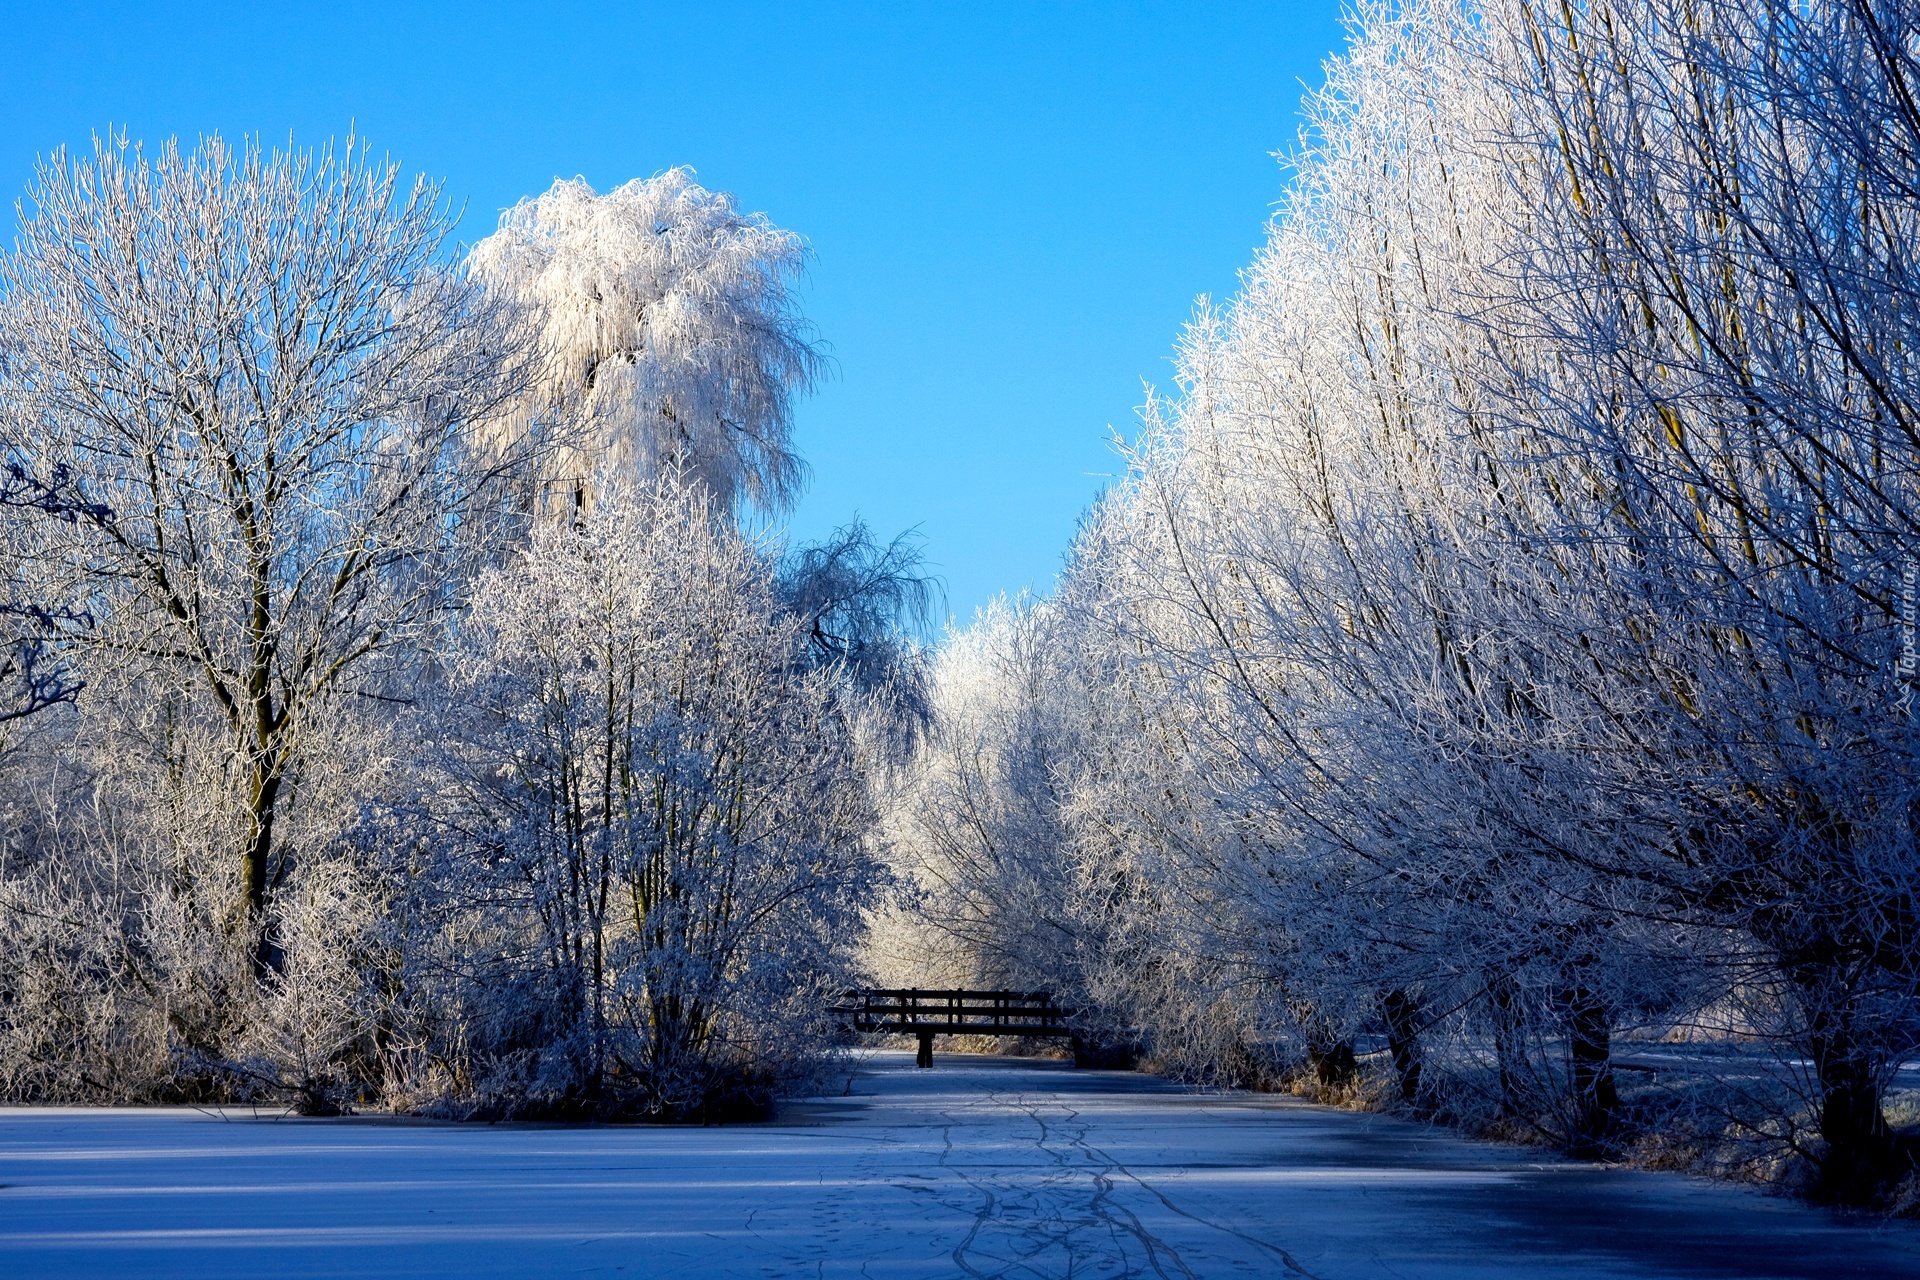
[1502, 647]
[399, 712]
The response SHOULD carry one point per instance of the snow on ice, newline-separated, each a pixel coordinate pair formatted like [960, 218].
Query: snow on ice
[982, 1167]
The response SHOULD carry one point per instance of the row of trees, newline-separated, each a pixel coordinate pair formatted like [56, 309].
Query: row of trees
[414, 715]
[1504, 641]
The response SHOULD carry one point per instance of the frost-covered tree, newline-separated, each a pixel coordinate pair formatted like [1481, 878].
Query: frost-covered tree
[658, 845]
[669, 335]
[258, 367]
[344, 813]
[1724, 272]
[978, 821]
[1499, 637]
[1312, 591]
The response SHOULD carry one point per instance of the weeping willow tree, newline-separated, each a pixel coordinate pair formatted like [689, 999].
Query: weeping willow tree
[669, 335]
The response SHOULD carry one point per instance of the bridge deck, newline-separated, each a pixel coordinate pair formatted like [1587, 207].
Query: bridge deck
[929, 1012]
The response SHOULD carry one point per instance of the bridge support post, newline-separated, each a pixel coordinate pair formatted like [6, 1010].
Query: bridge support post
[925, 1057]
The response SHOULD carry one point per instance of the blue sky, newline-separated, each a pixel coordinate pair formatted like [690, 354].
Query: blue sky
[1011, 207]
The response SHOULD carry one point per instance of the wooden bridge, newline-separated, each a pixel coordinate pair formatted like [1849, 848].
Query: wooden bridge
[926, 1013]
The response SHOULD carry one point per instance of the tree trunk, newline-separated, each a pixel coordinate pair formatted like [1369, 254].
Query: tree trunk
[1596, 1097]
[1506, 1043]
[1403, 1017]
[263, 799]
[1861, 1157]
[1334, 1066]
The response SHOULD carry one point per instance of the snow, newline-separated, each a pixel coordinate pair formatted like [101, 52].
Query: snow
[981, 1167]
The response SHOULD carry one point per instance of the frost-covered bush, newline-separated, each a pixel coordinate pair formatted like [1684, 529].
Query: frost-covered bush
[126, 979]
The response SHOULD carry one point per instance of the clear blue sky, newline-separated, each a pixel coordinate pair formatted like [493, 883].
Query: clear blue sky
[1011, 207]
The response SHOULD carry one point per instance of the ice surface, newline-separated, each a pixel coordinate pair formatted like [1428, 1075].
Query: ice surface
[981, 1167]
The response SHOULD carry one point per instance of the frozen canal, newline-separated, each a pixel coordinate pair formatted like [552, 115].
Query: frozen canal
[982, 1167]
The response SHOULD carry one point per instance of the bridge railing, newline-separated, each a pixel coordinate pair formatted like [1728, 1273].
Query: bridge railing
[952, 1011]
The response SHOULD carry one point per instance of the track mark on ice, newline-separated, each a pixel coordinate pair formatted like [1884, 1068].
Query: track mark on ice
[1287, 1260]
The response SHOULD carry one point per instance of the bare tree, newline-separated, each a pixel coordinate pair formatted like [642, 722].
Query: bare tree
[866, 607]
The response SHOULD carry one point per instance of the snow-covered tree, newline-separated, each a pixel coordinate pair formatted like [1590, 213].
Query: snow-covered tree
[1498, 638]
[660, 827]
[257, 366]
[668, 331]
[1724, 274]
